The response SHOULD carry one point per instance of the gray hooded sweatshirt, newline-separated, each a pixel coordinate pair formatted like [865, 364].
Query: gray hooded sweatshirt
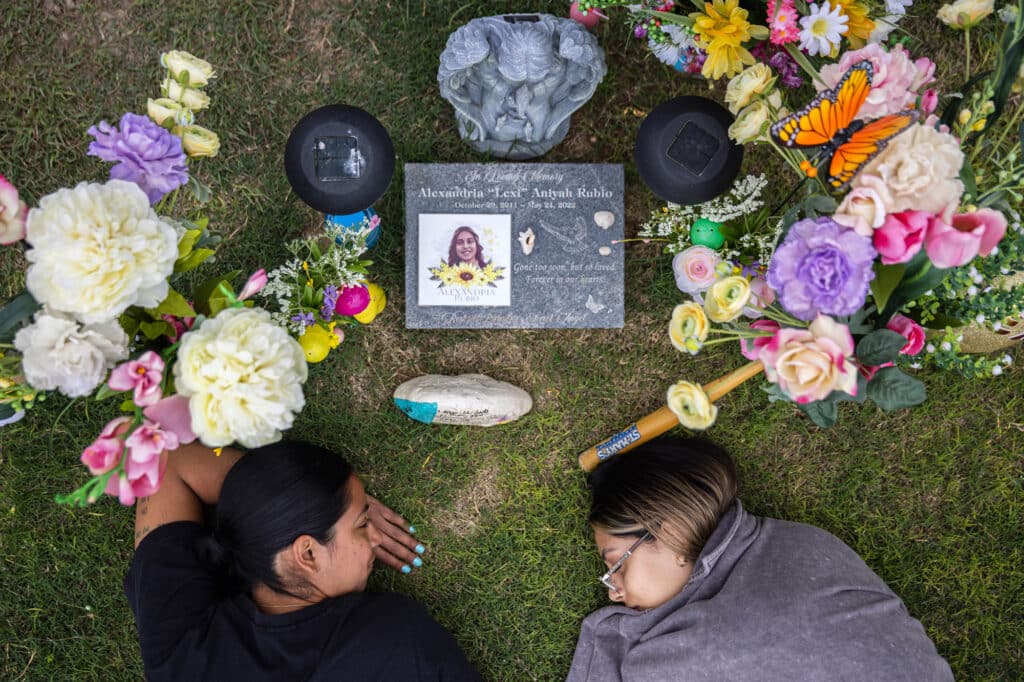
[767, 600]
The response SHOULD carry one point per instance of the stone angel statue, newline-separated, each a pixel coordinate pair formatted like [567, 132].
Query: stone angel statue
[515, 80]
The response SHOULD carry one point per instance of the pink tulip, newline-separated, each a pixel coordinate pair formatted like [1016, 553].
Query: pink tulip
[750, 348]
[146, 443]
[172, 415]
[105, 452]
[929, 101]
[911, 331]
[136, 481]
[957, 242]
[256, 282]
[143, 375]
[901, 236]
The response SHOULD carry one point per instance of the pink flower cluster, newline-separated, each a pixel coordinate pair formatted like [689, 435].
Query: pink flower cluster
[949, 240]
[896, 81]
[782, 16]
[134, 449]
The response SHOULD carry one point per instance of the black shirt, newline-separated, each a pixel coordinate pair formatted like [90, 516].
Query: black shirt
[189, 630]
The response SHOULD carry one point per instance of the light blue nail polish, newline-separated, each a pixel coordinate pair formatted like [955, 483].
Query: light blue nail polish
[420, 549]
[412, 529]
[417, 562]
[406, 569]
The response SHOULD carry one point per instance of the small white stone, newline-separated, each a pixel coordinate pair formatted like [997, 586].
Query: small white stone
[467, 400]
[604, 219]
[605, 250]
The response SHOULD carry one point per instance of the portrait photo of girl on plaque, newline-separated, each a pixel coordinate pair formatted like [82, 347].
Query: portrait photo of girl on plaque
[464, 259]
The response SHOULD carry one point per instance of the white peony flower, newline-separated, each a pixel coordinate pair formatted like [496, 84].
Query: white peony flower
[243, 376]
[99, 249]
[60, 354]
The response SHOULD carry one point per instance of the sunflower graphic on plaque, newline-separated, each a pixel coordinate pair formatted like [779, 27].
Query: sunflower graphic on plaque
[466, 257]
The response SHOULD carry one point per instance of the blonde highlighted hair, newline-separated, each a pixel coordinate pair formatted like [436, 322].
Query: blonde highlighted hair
[676, 489]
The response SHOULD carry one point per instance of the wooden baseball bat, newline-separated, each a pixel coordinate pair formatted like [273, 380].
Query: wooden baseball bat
[661, 420]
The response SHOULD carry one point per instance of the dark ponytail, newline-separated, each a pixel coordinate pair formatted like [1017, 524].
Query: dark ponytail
[271, 496]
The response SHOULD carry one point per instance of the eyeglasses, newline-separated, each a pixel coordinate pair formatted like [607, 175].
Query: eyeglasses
[606, 579]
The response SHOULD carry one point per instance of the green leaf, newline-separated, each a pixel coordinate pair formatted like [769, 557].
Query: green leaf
[187, 241]
[192, 260]
[18, 310]
[156, 329]
[127, 405]
[201, 223]
[822, 412]
[106, 392]
[967, 177]
[218, 302]
[199, 190]
[891, 389]
[201, 295]
[880, 346]
[887, 278]
[775, 393]
[920, 276]
[941, 321]
[175, 304]
[820, 203]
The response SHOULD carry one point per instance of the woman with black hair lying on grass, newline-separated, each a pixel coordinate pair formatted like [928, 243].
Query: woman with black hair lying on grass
[275, 591]
[710, 592]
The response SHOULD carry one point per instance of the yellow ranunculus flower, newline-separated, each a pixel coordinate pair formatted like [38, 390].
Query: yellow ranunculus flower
[198, 141]
[726, 298]
[744, 88]
[964, 14]
[690, 404]
[688, 321]
[190, 98]
[160, 110]
[199, 70]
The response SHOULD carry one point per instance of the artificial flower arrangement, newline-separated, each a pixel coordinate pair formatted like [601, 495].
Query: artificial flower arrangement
[107, 318]
[324, 285]
[900, 213]
[721, 37]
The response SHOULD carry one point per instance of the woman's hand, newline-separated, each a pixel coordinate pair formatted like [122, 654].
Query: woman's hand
[398, 548]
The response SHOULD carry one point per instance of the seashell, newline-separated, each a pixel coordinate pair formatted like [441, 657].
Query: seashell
[527, 240]
[605, 250]
[604, 219]
[467, 399]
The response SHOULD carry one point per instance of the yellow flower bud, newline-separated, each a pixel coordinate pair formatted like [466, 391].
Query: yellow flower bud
[979, 125]
[198, 141]
[190, 98]
[160, 110]
[965, 116]
[177, 62]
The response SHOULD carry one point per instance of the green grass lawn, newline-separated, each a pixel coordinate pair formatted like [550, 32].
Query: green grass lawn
[933, 498]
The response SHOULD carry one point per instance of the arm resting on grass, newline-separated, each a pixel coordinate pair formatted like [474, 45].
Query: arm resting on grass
[193, 478]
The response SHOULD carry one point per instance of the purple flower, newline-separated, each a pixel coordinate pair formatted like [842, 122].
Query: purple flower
[143, 153]
[822, 267]
[330, 300]
[305, 319]
[789, 71]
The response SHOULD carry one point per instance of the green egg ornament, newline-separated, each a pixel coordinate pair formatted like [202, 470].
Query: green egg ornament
[705, 232]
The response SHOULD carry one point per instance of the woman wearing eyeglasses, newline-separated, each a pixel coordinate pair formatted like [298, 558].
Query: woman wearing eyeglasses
[707, 591]
[275, 589]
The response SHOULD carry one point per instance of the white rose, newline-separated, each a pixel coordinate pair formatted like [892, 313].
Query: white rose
[60, 354]
[918, 170]
[177, 62]
[99, 249]
[752, 122]
[190, 98]
[750, 83]
[243, 377]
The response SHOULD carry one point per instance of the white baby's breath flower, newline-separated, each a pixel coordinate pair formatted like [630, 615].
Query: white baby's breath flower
[99, 249]
[58, 353]
[243, 377]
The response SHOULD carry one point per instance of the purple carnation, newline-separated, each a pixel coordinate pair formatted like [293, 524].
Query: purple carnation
[822, 267]
[143, 153]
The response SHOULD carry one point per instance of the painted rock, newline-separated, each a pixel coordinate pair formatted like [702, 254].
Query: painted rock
[377, 302]
[467, 400]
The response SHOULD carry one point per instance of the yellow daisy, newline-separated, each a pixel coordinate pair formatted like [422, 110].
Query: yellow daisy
[468, 275]
[721, 31]
[859, 25]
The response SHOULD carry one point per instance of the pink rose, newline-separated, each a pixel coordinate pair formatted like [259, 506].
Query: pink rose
[895, 83]
[910, 330]
[256, 282]
[863, 208]
[901, 236]
[957, 242]
[13, 213]
[105, 452]
[808, 364]
[751, 347]
[694, 268]
[143, 376]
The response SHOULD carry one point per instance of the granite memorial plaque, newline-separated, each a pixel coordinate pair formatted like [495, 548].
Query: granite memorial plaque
[510, 245]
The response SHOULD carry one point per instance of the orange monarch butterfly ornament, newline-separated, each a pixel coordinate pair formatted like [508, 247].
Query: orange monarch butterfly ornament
[828, 122]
